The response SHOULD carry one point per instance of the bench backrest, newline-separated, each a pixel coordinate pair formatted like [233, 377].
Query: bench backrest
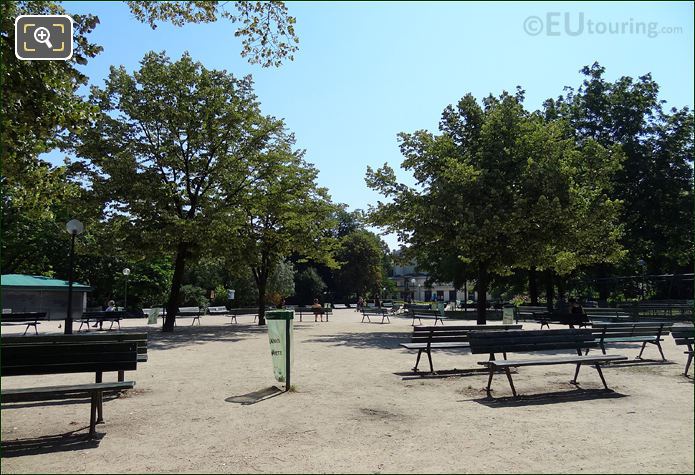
[22, 317]
[375, 311]
[530, 340]
[48, 358]
[140, 339]
[244, 311]
[623, 330]
[683, 335]
[426, 313]
[188, 311]
[606, 311]
[459, 333]
[114, 315]
[217, 309]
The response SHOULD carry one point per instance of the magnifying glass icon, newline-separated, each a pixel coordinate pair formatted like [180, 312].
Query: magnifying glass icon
[42, 35]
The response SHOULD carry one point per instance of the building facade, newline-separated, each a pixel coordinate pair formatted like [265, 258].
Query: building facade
[411, 285]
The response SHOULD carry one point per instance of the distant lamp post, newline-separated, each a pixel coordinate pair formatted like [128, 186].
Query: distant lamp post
[412, 283]
[126, 273]
[643, 265]
[74, 227]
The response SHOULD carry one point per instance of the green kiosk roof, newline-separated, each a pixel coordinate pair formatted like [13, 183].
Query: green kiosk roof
[38, 282]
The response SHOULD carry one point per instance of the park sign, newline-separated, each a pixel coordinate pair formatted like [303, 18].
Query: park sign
[280, 335]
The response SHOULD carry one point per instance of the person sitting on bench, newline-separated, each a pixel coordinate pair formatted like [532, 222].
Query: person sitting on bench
[110, 308]
[318, 310]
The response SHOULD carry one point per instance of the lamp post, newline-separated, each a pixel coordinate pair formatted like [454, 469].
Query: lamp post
[74, 227]
[126, 273]
[643, 265]
[412, 283]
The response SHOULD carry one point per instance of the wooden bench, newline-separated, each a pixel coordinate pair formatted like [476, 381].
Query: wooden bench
[571, 319]
[233, 313]
[221, 310]
[48, 358]
[685, 335]
[607, 314]
[188, 312]
[375, 312]
[428, 314]
[101, 317]
[315, 311]
[427, 338]
[644, 333]
[140, 340]
[30, 319]
[526, 312]
[537, 341]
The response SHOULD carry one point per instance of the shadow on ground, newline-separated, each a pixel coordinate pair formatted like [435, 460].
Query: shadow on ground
[199, 334]
[549, 398]
[364, 340]
[255, 396]
[51, 443]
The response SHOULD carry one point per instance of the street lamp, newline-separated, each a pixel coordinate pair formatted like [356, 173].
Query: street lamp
[126, 273]
[413, 282]
[74, 227]
[643, 265]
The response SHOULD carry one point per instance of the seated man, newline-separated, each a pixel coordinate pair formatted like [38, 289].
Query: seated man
[318, 309]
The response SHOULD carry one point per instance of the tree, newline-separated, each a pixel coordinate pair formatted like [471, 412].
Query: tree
[483, 201]
[280, 282]
[284, 212]
[308, 286]
[655, 183]
[266, 30]
[360, 256]
[174, 147]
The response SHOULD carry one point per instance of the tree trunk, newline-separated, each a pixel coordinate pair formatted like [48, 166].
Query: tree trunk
[533, 285]
[173, 303]
[549, 290]
[261, 298]
[603, 288]
[481, 288]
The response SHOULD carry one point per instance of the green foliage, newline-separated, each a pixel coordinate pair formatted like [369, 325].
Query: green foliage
[499, 189]
[193, 296]
[361, 258]
[281, 280]
[266, 30]
[655, 183]
[308, 286]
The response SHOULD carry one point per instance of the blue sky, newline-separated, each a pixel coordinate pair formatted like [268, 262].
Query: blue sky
[366, 71]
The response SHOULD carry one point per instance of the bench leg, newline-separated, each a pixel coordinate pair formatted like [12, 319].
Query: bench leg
[576, 373]
[417, 360]
[489, 381]
[600, 373]
[687, 364]
[100, 407]
[119, 324]
[429, 357]
[639, 357]
[93, 415]
[658, 345]
[509, 377]
[121, 376]
[99, 377]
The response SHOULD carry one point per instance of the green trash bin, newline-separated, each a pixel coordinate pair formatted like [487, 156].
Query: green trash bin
[280, 335]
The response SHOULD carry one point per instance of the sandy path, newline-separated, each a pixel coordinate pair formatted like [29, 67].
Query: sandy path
[357, 409]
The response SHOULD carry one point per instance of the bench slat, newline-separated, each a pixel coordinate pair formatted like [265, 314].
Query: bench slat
[45, 393]
[552, 361]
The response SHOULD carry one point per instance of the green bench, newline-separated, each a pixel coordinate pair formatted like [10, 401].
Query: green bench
[535, 341]
[428, 314]
[140, 340]
[375, 312]
[47, 358]
[30, 319]
[427, 338]
[685, 336]
[610, 333]
[315, 311]
[101, 317]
